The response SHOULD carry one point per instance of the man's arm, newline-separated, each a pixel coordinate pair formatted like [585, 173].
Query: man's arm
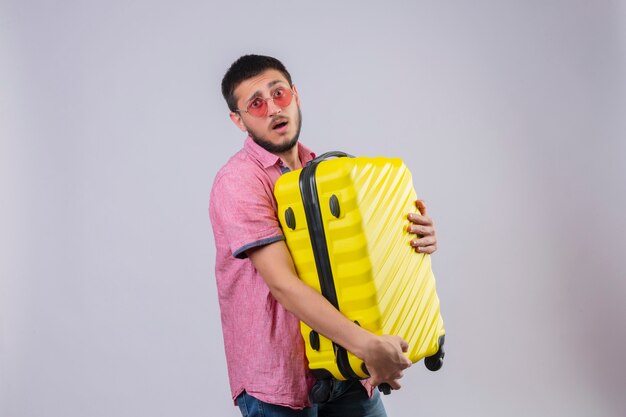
[382, 354]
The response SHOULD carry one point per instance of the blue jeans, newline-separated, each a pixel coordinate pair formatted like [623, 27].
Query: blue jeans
[348, 399]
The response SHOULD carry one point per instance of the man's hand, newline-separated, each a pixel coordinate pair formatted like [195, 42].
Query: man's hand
[385, 361]
[423, 227]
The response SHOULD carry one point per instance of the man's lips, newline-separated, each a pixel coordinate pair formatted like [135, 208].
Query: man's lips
[279, 124]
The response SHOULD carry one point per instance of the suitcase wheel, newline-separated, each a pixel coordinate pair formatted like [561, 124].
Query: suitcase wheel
[435, 362]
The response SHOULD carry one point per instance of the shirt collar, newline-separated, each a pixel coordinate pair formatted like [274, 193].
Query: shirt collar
[268, 159]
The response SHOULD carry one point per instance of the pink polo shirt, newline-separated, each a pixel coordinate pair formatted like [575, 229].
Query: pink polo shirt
[264, 349]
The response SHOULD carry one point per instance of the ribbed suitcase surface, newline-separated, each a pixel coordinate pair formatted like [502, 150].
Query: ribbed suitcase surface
[357, 210]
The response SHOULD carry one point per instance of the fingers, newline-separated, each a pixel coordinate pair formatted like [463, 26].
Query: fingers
[404, 345]
[425, 244]
[422, 226]
[387, 362]
[424, 241]
[395, 384]
[425, 230]
[392, 377]
[421, 206]
[429, 250]
[407, 361]
[420, 219]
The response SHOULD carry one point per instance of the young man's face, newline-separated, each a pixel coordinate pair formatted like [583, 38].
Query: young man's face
[277, 130]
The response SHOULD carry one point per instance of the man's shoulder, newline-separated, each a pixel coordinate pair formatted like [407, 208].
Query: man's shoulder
[241, 174]
[239, 165]
[240, 182]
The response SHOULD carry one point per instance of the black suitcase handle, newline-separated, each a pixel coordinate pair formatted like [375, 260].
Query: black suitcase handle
[328, 155]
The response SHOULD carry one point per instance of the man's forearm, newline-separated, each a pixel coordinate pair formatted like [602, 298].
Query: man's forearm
[275, 265]
[383, 355]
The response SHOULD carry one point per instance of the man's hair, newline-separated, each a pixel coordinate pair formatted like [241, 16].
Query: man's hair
[246, 67]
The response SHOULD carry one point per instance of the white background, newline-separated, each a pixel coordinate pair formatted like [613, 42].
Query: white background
[510, 114]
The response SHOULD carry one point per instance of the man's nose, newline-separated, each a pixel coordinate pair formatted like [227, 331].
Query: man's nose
[272, 108]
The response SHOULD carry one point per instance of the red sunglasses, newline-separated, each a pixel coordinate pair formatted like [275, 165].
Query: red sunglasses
[257, 107]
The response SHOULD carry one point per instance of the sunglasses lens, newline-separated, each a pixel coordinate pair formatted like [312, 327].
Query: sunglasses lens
[257, 107]
[282, 97]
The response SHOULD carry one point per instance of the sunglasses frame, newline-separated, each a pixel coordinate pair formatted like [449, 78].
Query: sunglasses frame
[266, 105]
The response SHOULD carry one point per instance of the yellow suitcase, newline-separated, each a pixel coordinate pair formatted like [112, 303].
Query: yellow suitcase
[345, 224]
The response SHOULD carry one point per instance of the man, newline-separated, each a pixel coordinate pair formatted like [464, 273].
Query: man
[261, 298]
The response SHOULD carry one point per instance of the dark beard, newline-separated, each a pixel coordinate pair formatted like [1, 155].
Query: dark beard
[276, 149]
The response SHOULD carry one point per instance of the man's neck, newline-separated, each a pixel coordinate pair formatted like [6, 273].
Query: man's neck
[291, 158]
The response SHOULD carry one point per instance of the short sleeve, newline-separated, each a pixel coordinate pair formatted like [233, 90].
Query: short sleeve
[243, 212]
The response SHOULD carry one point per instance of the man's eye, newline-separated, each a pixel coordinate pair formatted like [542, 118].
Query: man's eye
[256, 103]
[279, 92]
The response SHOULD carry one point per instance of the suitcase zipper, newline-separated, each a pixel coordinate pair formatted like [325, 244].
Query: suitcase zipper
[313, 212]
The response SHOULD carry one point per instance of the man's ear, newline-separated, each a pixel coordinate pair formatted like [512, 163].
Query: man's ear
[236, 118]
[295, 92]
